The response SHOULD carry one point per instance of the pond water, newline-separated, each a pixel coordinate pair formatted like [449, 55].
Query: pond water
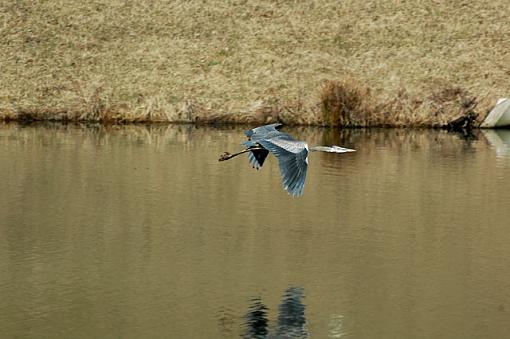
[139, 232]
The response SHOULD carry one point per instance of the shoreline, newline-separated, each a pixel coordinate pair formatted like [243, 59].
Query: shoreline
[343, 103]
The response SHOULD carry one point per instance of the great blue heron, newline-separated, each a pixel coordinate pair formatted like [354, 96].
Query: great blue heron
[292, 154]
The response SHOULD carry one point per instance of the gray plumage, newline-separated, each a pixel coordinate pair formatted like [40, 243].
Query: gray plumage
[292, 154]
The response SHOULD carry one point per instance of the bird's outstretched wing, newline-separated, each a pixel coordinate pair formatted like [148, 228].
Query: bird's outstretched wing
[263, 131]
[293, 160]
[257, 157]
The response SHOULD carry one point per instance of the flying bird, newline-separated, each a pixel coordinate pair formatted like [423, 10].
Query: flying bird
[292, 154]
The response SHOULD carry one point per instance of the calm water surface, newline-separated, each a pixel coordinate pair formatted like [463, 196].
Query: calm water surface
[139, 232]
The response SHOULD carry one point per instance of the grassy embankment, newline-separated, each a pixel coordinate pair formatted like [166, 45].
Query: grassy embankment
[399, 63]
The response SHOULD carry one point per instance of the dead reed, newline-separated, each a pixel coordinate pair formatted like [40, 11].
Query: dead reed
[346, 103]
[350, 104]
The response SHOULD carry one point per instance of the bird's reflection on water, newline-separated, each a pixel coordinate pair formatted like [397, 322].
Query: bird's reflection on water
[256, 320]
[291, 321]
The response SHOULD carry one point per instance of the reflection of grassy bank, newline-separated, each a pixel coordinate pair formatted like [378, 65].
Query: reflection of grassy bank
[244, 61]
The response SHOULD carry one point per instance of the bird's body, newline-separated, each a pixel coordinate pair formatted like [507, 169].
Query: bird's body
[292, 154]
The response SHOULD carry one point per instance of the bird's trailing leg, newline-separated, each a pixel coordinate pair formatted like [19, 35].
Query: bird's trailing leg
[227, 155]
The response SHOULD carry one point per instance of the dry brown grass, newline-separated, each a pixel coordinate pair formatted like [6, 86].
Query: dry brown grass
[349, 103]
[240, 60]
[346, 103]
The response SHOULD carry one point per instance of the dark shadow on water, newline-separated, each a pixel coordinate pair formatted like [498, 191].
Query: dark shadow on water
[466, 135]
[291, 321]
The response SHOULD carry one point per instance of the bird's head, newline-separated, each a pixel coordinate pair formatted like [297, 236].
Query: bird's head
[225, 156]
